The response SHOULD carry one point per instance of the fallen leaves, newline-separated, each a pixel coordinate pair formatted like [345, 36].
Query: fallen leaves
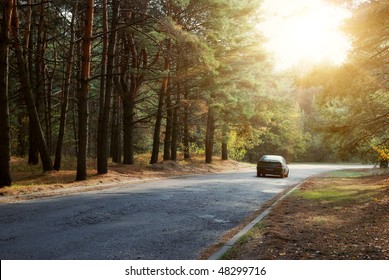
[354, 227]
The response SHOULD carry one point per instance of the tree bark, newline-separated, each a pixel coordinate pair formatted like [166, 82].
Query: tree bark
[224, 151]
[161, 97]
[22, 131]
[106, 91]
[27, 91]
[169, 127]
[176, 124]
[65, 92]
[128, 135]
[49, 105]
[224, 143]
[157, 127]
[83, 95]
[5, 165]
[186, 136]
[210, 135]
[102, 156]
[115, 130]
[33, 152]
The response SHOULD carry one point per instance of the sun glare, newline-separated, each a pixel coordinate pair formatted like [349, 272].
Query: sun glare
[304, 32]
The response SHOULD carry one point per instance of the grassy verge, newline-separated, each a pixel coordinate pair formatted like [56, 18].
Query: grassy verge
[339, 215]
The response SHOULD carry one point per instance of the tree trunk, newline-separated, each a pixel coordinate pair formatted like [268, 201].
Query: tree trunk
[84, 94]
[115, 130]
[210, 135]
[169, 127]
[33, 153]
[384, 163]
[186, 136]
[65, 93]
[157, 127]
[106, 91]
[176, 124]
[102, 156]
[27, 91]
[5, 166]
[128, 135]
[224, 151]
[224, 143]
[49, 106]
[161, 97]
[21, 132]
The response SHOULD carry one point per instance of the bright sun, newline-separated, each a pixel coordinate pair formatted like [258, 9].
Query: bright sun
[304, 32]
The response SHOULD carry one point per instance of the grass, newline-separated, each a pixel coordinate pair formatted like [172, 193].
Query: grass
[339, 215]
[350, 194]
[251, 234]
[348, 173]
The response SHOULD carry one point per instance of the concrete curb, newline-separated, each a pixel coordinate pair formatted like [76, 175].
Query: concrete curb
[218, 254]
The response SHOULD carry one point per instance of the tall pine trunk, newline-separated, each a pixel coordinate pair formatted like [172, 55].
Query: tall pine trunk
[169, 128]
[65, 92]
[106, 89]
[24, 76]
[224, 143]
[176, 125]
[116, 129]
[161, 97]
[210, 135]
[83, 94]
[186, 136]
[157, 127]
[5, 168]
[128, 131]
[33, 152]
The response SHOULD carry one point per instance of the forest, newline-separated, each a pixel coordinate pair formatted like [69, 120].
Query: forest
[112, 79]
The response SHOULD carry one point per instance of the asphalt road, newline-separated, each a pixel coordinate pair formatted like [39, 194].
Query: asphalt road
[165, 219]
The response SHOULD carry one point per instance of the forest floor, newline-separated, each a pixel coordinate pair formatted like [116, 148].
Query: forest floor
[333, 216]
[30, 182]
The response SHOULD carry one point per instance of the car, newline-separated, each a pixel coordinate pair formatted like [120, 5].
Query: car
[273, 165]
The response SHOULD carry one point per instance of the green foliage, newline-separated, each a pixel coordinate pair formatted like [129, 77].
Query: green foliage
[383, 155]
[236, 146]
[195, 149]
[280, 126]
[217, 62]
[352, 108]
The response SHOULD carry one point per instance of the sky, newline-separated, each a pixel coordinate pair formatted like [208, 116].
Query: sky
[304, 32]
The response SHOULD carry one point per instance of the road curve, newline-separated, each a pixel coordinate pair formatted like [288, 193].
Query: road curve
[167, 219]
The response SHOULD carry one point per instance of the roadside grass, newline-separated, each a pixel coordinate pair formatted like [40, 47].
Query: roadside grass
[348, 173]
[338, 215]
[252, 234]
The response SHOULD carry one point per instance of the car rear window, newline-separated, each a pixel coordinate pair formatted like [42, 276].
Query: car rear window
[271, 158]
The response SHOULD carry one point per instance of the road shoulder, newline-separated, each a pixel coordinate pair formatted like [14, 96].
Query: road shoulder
[337, 215]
